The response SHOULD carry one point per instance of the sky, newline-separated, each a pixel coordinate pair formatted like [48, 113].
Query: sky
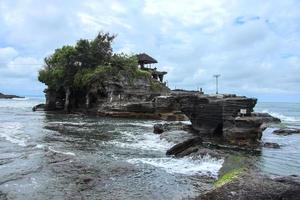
[253, 45]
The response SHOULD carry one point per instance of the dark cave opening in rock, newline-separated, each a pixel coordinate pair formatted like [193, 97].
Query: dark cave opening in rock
[218, 132]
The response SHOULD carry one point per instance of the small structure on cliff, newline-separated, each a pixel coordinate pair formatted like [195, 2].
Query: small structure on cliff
[145, 59]
[145, 62]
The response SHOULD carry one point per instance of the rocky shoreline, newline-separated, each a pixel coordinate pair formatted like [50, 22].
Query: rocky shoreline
[238, 178]
[212, 116]
[254, 185]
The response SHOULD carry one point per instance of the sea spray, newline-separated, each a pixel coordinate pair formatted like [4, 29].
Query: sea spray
[204, 166]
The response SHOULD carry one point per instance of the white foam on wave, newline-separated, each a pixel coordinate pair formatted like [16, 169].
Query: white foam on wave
[283, 117]
[21, 99]
[61, 152]
[147, 141]
[204, 166]
[68, 123]
[148, 125]
[24, 104]
[40, 146]
[186, 122]
[12, 132]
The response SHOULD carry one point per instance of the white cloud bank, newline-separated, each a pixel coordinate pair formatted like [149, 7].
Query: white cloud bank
[254, 45]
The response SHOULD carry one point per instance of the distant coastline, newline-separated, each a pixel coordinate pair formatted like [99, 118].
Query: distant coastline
[8, 96]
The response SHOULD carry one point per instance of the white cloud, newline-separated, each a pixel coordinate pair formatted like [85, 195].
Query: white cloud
[15, 66]
[6, 54]
[254, 45]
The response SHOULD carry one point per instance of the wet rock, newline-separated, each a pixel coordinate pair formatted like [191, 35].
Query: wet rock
[177, 136]
[19, 175]
[200, 151]
[271, 145]
[178, 148]
[158, 129]
[252, 185]
[266, 118]
[39, 107]
[211, 152]
[287, 131]
[85, 182]
[3, 196]
[292, 179]
[188, 151]
[243, 131]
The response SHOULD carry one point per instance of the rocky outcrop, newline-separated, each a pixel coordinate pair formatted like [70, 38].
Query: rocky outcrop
[208, 113]
[158, 128]
[287, 131]
[130, 97]
[161, 128]
[252, 185]
[228, 117]
[266, 118]
[246, 131]
[159, 107]
[39, 107]
[6, 96]
[179, 148]
[271, 145]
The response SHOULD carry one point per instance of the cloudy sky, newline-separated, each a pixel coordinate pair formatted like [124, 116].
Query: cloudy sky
[254, 45]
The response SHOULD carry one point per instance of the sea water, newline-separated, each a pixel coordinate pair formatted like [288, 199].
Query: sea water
[286, 160]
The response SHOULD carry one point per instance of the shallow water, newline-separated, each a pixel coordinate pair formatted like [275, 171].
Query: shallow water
[286, 160]
[56, 156]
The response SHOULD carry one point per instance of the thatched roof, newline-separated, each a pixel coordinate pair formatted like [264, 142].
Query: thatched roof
[146, 59]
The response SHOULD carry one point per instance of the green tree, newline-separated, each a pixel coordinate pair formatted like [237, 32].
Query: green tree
[59, 68]
[101, 49]
[83, 53]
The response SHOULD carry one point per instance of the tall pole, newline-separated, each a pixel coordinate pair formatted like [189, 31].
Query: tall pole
[217, 76]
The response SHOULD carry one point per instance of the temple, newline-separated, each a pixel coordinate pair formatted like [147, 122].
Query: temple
[145, 61]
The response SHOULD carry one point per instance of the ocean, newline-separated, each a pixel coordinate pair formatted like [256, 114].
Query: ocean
[56, 156]
[286, 160]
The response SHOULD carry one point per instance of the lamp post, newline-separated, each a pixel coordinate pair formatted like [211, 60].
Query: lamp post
[217, 76]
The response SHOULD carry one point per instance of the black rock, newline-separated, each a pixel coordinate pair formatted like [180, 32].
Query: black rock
[158, 129]
[39, 107]
[178, 148]
[266, 118]
[271, 145]
[287, 131]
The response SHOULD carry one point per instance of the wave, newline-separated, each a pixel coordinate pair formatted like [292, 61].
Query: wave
[147, 141]
[69, 123]
[204, 166]
[150, 145]
[283, 117]
[62, 152]
[147, 125]
[21, 99]
[12, 132]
